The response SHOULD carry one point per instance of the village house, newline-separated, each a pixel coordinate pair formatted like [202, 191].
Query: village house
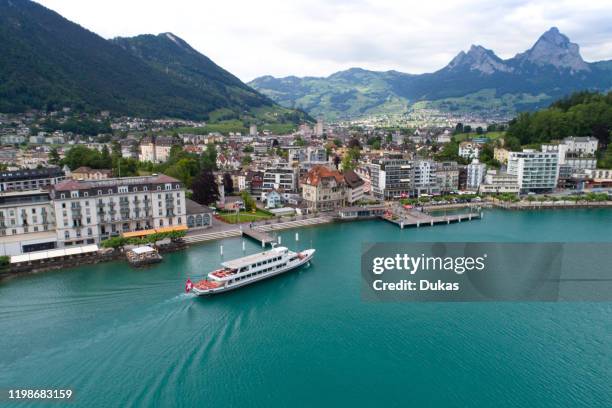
[324, 189]
[87, 173]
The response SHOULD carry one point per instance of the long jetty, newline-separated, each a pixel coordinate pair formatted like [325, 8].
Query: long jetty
[418, 219]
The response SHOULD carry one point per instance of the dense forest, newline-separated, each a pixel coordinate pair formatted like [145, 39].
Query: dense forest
[48, 62]
[580, 114]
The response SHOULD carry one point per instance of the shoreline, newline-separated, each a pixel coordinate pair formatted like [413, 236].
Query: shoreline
[205, 237]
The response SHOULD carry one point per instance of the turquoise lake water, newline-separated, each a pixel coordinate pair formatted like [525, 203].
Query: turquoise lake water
[119, 336]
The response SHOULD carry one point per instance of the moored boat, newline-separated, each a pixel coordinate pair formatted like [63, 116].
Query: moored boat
[252, 268]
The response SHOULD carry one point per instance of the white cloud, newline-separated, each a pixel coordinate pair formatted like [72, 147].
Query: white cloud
[318, 37]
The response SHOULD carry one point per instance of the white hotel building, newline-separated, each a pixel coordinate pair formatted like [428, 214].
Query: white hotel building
[535, 171]
[89, 211]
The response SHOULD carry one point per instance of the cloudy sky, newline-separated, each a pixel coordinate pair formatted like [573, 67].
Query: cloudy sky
[251, 38]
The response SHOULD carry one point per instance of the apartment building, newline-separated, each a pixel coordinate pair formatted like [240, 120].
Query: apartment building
[155, 149]
[90, 211]
[280, 176]
[535, 171]
[308, 157]
[497, 182]
[447, 176]
[475, 174]
[391, 177]
[31, 179]
[423, 178]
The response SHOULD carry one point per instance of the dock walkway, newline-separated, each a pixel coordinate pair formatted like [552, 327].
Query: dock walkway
[261, 236]
[418, 219]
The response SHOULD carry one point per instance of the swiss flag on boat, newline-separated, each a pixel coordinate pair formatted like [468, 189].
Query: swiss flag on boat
[188, 285]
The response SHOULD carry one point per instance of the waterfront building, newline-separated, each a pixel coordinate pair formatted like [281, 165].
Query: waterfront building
[423, 178]
[30, 179]
[581, 163]
[497, 182]
[601, 178]
[87, 173]
[280, 176]
[469, 149]
[324, 189]
[355, 186]
[447, 176]
[391, 177]
[273, 199]
[90, 211]
[536, 171]
[576, 152]
[475, 174]
[198, 216]
[27, 222]
[581, 145]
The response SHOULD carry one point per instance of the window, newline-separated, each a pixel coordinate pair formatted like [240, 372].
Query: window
[33, 210]
[123, 189]
[99, 192]
[74, 194]
[86, 194]
[66, 234]
[145, 188]
[63, 196]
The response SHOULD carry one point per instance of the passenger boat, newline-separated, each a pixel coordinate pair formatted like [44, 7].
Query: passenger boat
[252, 268]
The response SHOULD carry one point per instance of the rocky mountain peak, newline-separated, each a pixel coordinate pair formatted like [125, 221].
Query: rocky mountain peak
[479, 59]
[555, 48]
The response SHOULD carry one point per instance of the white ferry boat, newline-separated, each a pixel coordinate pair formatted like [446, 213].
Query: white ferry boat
[249, 269]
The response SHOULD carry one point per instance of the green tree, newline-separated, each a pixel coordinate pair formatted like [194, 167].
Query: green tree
[249, 202]
[209, 158]
[54, 157]
[205, 189]
[228, 183]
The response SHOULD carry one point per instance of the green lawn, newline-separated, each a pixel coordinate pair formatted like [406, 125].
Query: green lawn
[243, 216]
[491, 135]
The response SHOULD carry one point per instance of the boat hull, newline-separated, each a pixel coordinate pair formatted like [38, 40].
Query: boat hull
[308, 254]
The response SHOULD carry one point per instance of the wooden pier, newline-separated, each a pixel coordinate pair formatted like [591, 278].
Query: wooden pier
[420, 219]
[261, 236]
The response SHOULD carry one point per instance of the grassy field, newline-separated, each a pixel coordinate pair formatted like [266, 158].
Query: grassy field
[243, 216]
[491, 135]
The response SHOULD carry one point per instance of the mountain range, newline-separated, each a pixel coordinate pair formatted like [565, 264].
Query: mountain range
[48, 62]
[473, 81]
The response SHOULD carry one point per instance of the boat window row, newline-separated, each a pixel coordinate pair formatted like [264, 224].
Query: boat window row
[267, 261]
